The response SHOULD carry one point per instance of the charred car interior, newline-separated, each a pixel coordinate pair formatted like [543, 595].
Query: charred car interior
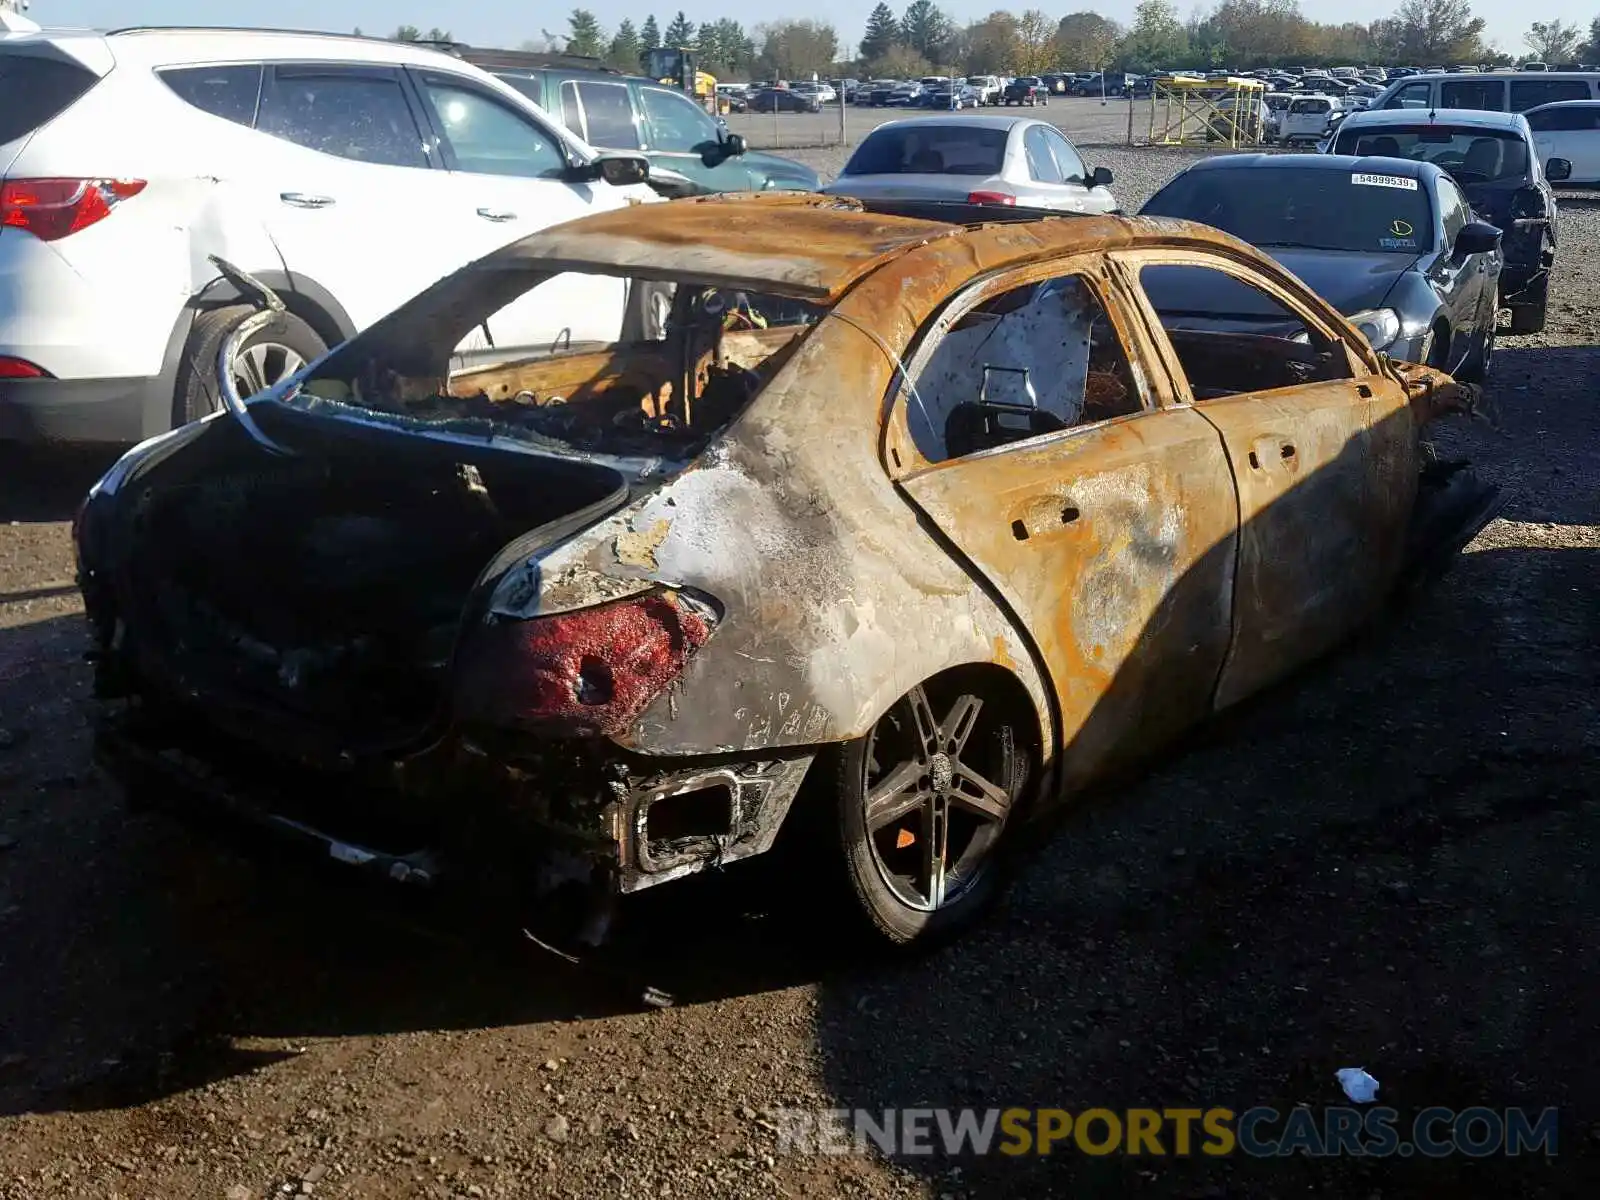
[916, 520]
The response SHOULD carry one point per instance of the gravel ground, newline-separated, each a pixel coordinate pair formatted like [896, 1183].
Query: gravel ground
[1386, 862]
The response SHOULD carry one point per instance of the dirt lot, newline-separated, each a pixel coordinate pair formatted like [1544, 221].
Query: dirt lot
[1388, 862]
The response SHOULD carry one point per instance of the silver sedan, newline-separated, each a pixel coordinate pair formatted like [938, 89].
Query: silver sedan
[981, 160]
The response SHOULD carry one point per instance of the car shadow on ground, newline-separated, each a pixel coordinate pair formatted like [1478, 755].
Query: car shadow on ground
[47, 483]
[1380, 864]
[1356, 869]
[1384, 863]
[1528, 386]
[156, 956]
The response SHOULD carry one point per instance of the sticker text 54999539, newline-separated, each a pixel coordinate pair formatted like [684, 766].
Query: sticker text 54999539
[1389, 181]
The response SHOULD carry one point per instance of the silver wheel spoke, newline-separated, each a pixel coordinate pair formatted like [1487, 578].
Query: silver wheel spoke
[894, 796]
[259, 367]
[250, 371]
[976, 794]
[958, 725]
[927, 729]
[935, 833]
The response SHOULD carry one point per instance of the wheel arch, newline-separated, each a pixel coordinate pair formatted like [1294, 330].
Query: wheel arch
[301, 295]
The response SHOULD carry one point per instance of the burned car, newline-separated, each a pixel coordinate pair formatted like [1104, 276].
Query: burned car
[909, 521]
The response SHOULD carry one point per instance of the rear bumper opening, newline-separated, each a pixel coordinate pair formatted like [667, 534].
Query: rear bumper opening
[497, 815]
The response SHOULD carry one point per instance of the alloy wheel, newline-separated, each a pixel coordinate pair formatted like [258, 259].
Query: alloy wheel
[933, 811]
[258, 367]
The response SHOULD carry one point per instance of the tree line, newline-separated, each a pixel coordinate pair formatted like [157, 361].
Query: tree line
[923, 39]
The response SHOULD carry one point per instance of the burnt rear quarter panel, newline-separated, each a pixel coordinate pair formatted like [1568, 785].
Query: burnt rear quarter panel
[837, 597]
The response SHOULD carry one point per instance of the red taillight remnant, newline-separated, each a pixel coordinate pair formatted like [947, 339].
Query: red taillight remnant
[990, 198]
[21, 368]
[50, 209]
[589, 672]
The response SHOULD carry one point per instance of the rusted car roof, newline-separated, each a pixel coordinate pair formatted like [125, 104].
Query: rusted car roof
[811, 246]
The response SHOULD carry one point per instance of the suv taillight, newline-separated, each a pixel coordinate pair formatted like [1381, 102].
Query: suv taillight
[50, 209]
[990, 198]
[590, 671]
[21, 368]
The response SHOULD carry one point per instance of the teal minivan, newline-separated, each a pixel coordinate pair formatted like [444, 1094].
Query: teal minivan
[690, 151]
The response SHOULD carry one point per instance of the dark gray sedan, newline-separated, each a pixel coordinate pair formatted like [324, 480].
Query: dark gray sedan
[1391, 243]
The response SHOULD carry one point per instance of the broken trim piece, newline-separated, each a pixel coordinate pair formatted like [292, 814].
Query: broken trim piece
[246, 329]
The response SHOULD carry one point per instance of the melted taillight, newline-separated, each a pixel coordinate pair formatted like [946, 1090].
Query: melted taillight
[591, 671]
[990, 198]
[50, 209]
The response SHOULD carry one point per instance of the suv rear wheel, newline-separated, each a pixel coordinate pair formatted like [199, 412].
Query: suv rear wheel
[267, 356]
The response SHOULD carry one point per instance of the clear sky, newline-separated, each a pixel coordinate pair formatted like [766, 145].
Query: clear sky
[508, 23]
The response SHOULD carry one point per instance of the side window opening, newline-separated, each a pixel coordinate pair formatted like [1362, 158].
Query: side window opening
[1231, 337]
[362, 117]
[608, 115]
[36, 90]
[571, 114]
[1042, 166]
[1069, 162]
[230, 92]
[1454, 211]
[489, 138]
[1034, 360]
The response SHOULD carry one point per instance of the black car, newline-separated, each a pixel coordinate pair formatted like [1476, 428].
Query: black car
[1392, 244]
[1026, 89]
[776, 100]
[1492, 155]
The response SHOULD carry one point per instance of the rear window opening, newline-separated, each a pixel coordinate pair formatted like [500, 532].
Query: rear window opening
[930, 150]
[325, 591]
[1471, 155]
[687, 361]
[36, 90]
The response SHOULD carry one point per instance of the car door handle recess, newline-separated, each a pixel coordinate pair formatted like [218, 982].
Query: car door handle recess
[496, 214]
[303, 200]
[1039, 511]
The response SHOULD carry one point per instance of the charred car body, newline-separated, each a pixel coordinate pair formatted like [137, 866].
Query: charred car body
[915, 519]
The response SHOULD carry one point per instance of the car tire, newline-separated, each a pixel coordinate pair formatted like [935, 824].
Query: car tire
[284, 345]
[1477, 369]
[955, 745]
[1528, 312]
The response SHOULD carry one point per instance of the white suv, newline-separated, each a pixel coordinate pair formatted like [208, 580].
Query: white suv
[345, 173]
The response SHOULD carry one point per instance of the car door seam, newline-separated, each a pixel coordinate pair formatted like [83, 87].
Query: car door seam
[1238, 553]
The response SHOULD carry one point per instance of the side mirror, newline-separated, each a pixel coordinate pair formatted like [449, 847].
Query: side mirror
[623, 170]
[1476, 237]
[1558, 170]
[733, 145]
[1100, 177]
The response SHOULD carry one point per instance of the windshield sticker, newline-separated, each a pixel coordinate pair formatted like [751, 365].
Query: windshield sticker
[1389, 181]
[1400, 236]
